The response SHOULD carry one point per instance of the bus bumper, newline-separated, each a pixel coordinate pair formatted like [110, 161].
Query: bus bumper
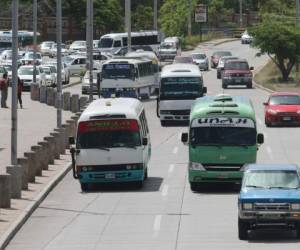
[111, 176]
[215, 176]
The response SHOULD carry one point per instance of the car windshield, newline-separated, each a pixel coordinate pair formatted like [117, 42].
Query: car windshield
[68, 59]
[105, 43]
[118, 71]
[181, 87]
[46, 70]
[79, 43]
[222, 53]
[30, 56]
[285, 100]
[47, 44]
[8, 67]
[168, 46]
[237, 66]
[26, 71]
[272, 179]
[108, 134]
[198, 56]
[223, 136]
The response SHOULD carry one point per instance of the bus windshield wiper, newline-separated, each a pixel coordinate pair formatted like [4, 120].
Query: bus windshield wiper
[281, 187]
[103, 148]
[254, 186]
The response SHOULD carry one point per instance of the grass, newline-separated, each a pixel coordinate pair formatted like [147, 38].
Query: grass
[193, 41]
[270, 77]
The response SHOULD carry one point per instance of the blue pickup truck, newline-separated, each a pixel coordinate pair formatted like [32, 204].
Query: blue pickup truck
[269, 198]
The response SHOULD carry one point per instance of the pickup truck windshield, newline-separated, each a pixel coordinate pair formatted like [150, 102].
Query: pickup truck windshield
[223, 136]
[272, 179]
[181, 88]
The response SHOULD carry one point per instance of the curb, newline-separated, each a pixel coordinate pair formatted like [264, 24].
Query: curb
[15, 227]
[258, 85]
[71, 84]
[227, 41]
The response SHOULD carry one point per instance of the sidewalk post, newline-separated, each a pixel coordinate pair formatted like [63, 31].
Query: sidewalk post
[128, 22]
[58, 40]
[34, 39]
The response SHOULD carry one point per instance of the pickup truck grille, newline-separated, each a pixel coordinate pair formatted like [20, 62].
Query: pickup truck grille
[180, 112]
[271, 206]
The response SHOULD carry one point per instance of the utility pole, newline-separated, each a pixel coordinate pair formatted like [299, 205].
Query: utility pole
[155, 15]
[189, 18]
[14, 105]
[241, 13]
[297, 25]
[34, 39]
[58, 41]
[128, 22]
[89, 43]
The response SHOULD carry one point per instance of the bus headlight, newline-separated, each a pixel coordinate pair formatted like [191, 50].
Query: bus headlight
[247, 206]
[195, 166]
[295, 206]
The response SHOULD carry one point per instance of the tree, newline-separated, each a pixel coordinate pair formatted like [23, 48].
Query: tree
[142, 18]
[278, 37]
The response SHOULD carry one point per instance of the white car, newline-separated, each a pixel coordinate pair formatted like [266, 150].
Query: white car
[25, 73]
[64, 50]
[201, 60]
[46, 48]
[50, 75]
[76, 64]
[96, 44]
[85, 86]
[28, 58]
[65, 76]
[78, 46]
[246, 38]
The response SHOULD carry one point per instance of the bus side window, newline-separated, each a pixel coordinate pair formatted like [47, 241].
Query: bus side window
[117, 44]
[142, 125]
[124, 41]
[145, 120]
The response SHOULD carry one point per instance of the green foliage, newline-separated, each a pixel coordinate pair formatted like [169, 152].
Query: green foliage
[217, 10]
[278, 37]
[142, 18]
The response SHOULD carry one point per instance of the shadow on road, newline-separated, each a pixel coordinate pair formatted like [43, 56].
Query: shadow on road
[273, 236]
[218, 188]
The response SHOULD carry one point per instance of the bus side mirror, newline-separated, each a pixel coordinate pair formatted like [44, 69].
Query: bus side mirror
[260, 139]
[184, 137]
[71, 140]
[145, 141]
[204, 90]
[265, 103]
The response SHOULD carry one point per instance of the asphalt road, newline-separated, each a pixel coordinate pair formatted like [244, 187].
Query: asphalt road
[164, 214]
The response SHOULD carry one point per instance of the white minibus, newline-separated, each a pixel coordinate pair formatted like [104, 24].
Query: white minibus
[180, 85]
[112, 143]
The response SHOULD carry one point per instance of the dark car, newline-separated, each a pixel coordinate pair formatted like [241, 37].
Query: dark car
[282, 108]
[214, 59]
[237, 72]
[269, 198]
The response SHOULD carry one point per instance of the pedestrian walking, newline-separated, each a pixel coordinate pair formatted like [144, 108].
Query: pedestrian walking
[20, 90]
[4, 90]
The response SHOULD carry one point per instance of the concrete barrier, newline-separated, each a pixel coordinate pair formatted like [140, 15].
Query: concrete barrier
[23, 162]
[5, 190]
[66, 101]
[50, 96]
[52, 149]
[55, 135]
[34, 92]
[43, 94]
[16, 180]
[83, 102]
[62, 139]
[38, 159]
[31, 166]
[68, 133]
[46, 155]
[74, 103]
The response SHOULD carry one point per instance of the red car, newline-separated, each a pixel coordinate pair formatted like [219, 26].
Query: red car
[282, 108]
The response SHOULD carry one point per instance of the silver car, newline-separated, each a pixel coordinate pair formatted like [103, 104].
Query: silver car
[201, 60]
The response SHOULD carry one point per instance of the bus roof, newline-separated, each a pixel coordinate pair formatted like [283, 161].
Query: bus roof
[129, 60]
[142, 54]
[223, 105]
[121, 35]
[112, 108]
[181, 70]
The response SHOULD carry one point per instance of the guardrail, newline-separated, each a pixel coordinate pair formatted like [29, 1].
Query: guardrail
[37, 160]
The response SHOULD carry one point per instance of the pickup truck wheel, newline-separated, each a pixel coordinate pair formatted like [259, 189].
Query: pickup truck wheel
[195, 186]
[249, 85]
[163, 123]
[218, 75]
[138, 184]
[298, 231]
[84, 187]
[224, 86]
[243, 229]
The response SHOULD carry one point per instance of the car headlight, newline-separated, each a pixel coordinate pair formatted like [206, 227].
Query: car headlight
[295, 206]
[298, 112]
[195, 166]
[272, 112]
[247, 206]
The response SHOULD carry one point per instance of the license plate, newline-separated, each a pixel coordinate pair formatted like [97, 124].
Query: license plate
[270, 216]
[110, 176]
[238, 80]
[222, 176]
[287, 118]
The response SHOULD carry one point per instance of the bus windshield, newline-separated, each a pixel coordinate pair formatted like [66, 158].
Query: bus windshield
[108, 134]
[118, 71]
[224, 136]
[181, 87]
[105, 43]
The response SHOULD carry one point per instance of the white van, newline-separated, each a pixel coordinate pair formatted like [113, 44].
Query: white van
[112, 143]
[169, 48]
[180, 85]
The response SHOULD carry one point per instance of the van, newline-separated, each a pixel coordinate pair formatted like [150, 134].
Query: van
[112, 143]
[169, 48]
[76, 64]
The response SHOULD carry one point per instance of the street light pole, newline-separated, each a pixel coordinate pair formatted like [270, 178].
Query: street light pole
[34, 39]
[155, 15]
[14, 106]
[241, 13]
[89, 43]
[189, 18]
[58, 41]
[128, 22]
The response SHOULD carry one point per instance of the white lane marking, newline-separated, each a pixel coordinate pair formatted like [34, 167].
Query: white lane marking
[164, 191]
[259, 121]
[175, 150]
[270, 152]
[171, 168]
[156, 224]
